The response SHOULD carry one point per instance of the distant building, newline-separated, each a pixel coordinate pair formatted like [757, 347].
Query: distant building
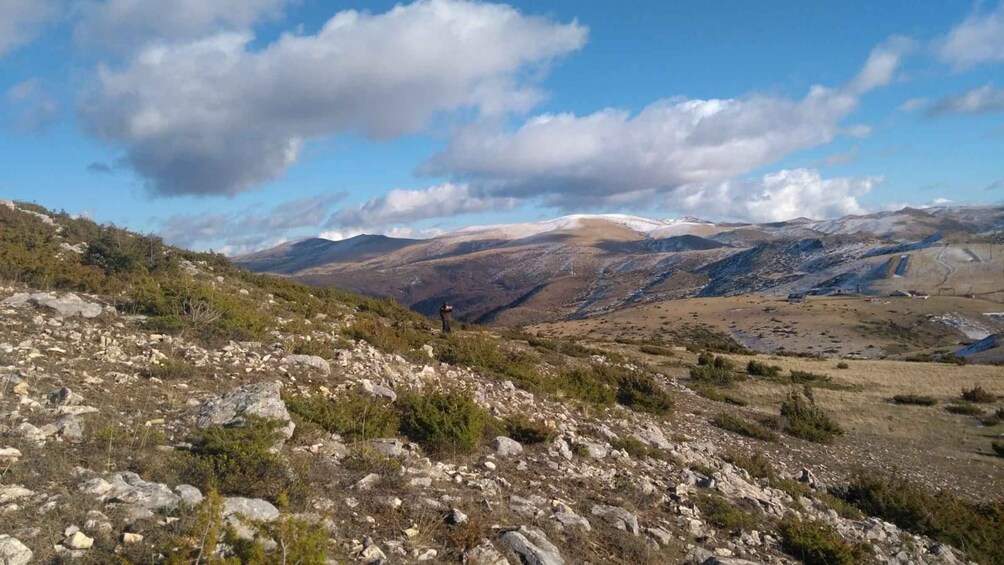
[796, 297]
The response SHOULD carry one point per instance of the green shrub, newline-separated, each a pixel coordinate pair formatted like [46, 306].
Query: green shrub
[915, 399]
[843, 365]
[806, 377]
[443, 421]
[640, 392]
[979, 395]
[656, 350]
[705, 358]
[527, 431]
[170, 369]
[756, 464]
[801, 417]
[974, 528]
[741, 426]
[760, 369]
[708, 374]
[483, 354]
[633, 446]
[712, 393]
[719, 513]
[815, 543]
[587, 384]
[313, 347]
[238, 461]
[723, 363]
[964, 409]
[998, 447]
[356, 415]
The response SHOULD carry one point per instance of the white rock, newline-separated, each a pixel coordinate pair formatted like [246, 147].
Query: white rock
[506, 447]
[13, 552]
[78, 540]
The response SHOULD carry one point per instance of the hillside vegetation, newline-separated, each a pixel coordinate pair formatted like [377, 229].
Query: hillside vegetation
[162, 405]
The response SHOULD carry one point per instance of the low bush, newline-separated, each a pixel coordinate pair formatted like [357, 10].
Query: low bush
[443, 421]
[723, 363]
[483, 354]
[588, 385]
[527, 431]
[979, 395]
[711, 375]
[705, 358]
[756, 464]
[974, 528]
[170, 369]
[760, 369]
[815, 543]
[313, 347]
[964, 409]
[741, 426]
[238, 461]
[914, 399]
[713, 393]
[656, 350]
[640, 392]
[719, 513]
[807, 378]
[356, 415]
[843, 365]
[998, 447]
[633, 446]
[801, 417]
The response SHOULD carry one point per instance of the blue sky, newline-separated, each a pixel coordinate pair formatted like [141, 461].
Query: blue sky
[237, 124]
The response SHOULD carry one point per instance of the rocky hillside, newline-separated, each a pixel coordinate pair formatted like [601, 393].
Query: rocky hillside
[580, 266]
[158, 405]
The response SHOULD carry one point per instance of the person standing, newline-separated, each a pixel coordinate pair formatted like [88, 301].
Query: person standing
[445, 313]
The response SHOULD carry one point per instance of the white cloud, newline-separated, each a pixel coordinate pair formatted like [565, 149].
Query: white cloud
[216, 116]
[21, 21]
[912, 105]
[29, 107]
[978, 39]
[121, 25]
[247, 229]
[406, 206]
[860, 131]
[777, 196]
[983, 100]
[611, 155]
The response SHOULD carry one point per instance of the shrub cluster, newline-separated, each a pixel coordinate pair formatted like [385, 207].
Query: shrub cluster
[443, 421]
[972, 527]
[712, 393]
[760, 369]
[964, 409]
[711, 375]
[914, 399]
[741, 426]
[801, 417]
[719, 513]
[815, 543]
[357, 416]
[979, 395]
[527, 431]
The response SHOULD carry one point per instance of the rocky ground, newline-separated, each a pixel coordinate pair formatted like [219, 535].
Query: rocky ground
[89, 429]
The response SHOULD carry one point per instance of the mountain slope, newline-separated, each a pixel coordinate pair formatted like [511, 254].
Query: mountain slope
[584, 265]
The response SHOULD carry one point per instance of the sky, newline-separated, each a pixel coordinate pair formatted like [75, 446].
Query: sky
[235, 125]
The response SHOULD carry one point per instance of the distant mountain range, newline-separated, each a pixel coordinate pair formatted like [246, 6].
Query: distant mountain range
[582, 265]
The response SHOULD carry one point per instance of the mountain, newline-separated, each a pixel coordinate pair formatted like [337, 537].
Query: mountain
[582, 265]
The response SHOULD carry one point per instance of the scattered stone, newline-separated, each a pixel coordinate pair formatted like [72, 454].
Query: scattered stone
[456, 517]
[259, 399]
[9, 455]
[78, 540]
[506, 447]
[367, 482]
[532, 546]
[485, 554]
[618, 517]
[130, 538]
[313, 361]
[66, 306]
[593, 450]
[13, 552]
[64, 397]
[253, 509]
[378, 391]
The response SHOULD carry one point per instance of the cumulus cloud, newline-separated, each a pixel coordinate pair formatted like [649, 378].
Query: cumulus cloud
[777, 196]
[612, 155]
[217, 116]
[978, 39]
[246, 230]
[121, 25]
[21, 21]
[983, 100]
[407, 206]
[30, 108]
[912, 105]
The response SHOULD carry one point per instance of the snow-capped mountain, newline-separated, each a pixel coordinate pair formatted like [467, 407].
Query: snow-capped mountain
[580, 265]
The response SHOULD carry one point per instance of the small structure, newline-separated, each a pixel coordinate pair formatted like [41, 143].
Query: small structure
[796, 297]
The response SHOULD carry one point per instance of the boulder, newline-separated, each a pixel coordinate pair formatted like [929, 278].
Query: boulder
[66, 306]
[313, 361]
[13, 552]
[532, 546]
[253, 509]
[618, 517]
[259, 399]
[506, 447]
[142, 499]
[64, 397]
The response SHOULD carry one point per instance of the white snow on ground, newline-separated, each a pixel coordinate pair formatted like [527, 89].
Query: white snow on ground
[970, 328]
[645, 226]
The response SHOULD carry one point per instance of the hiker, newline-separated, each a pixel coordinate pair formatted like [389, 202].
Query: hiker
[445, 312]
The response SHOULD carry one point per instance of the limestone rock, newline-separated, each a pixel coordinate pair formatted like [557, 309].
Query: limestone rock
[506, 447]
[253, 509]
[66, 306]
[259, 399]
[78, 540]
[618, 517]
[313, 361]
[13, 552]
[532, 546]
